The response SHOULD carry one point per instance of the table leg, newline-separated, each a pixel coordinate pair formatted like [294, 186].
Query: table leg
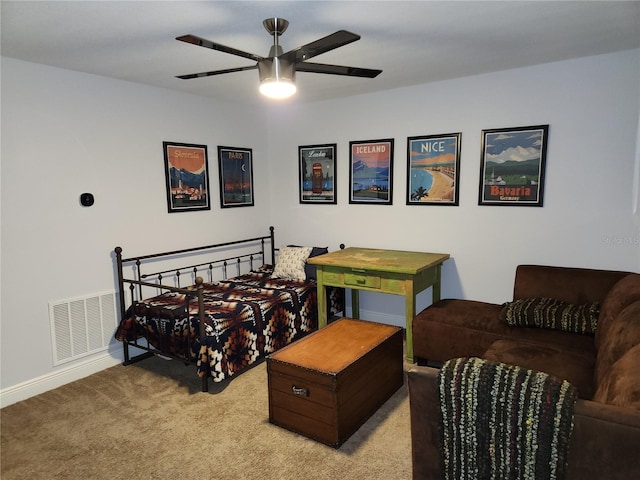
[355, 303]
[322, 302]
[410, 312]
[435, 290]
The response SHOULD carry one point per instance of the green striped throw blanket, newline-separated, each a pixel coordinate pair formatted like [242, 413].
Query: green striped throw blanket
[503, 422]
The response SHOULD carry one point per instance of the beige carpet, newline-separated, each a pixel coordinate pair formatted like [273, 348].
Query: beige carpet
[150, 421]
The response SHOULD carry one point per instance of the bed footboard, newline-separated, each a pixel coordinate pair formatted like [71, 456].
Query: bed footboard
[182, 273]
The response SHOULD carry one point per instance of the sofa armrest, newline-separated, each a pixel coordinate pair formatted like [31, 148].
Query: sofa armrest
[572, 285]
[604, 443]
[425, 436]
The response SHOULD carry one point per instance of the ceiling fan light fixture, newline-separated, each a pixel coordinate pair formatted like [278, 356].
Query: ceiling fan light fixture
[278, 88]
[277, 78]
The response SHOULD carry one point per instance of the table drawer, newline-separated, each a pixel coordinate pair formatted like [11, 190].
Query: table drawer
[361, 280]
[333, 278]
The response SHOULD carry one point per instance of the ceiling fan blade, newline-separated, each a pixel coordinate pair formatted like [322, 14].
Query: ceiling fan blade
[216, 72]
[325, 44]
[336, 70]
[203, 42]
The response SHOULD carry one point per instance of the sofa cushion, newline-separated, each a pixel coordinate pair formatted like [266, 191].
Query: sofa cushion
[575, 367]
[457, 328]
[621, 383]
[573, 285]
[552, 313]
[623, 333]
[625, 292]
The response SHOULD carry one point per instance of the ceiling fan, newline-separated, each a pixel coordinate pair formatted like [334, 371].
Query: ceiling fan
[277, 71]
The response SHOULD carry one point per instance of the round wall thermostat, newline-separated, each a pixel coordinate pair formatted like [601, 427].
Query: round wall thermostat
[86, 199]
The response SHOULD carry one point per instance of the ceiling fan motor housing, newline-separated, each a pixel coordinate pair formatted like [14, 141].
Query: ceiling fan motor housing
[275, 25]
[276, 69]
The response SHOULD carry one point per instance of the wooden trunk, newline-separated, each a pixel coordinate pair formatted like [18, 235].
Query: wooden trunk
[326, 385]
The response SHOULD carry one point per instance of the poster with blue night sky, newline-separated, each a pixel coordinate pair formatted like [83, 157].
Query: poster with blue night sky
[236, 177]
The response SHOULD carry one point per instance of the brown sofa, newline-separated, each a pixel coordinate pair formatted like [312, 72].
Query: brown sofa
[605, 367]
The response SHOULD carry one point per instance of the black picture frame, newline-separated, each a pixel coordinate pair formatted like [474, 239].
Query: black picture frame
[186, 168]
[236, 177]
[317, 179]
[371, 172]
[433, 169]
[512, 166]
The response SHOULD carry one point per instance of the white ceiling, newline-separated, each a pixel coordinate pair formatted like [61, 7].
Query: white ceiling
[413, 42]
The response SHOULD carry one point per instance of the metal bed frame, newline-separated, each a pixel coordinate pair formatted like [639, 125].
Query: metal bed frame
[217, 258]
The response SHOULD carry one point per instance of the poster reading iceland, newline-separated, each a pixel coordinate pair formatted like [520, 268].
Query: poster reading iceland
[236, 177]
[371, 172]
[317, 173]
[512, 166]
[187, 176]
[433, 166]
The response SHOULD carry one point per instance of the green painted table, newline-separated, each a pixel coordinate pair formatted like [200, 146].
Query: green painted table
[384, 271]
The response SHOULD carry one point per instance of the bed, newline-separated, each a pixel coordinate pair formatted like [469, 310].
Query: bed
[221, 307]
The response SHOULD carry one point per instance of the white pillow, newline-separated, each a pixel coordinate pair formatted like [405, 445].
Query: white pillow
[291, 261]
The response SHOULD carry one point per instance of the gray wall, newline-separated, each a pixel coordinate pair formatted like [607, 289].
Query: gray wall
[64, 133]
[590, 216]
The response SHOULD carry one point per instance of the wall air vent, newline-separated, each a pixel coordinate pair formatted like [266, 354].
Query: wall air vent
[82, 326]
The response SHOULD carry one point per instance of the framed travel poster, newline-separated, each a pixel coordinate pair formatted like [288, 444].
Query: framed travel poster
[187, 177]
[512, 166]
[371, 172]
[433, 165]
[236, 177]
[317, 169]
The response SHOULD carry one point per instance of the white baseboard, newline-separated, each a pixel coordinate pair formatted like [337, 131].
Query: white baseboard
[56, 379]
[385, 318]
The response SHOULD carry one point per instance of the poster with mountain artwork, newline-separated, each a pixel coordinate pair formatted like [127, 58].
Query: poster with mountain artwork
[512, 166]
[236, 177]
[371, 172]
[187, 176]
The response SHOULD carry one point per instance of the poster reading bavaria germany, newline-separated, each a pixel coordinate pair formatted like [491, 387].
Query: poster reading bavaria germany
[512, 166]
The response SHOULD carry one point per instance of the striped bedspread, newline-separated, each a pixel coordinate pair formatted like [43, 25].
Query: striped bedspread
[246, 318]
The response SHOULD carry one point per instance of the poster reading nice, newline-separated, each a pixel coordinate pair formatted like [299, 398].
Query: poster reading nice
[433, 164]
[512, 166]
[371, 171]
